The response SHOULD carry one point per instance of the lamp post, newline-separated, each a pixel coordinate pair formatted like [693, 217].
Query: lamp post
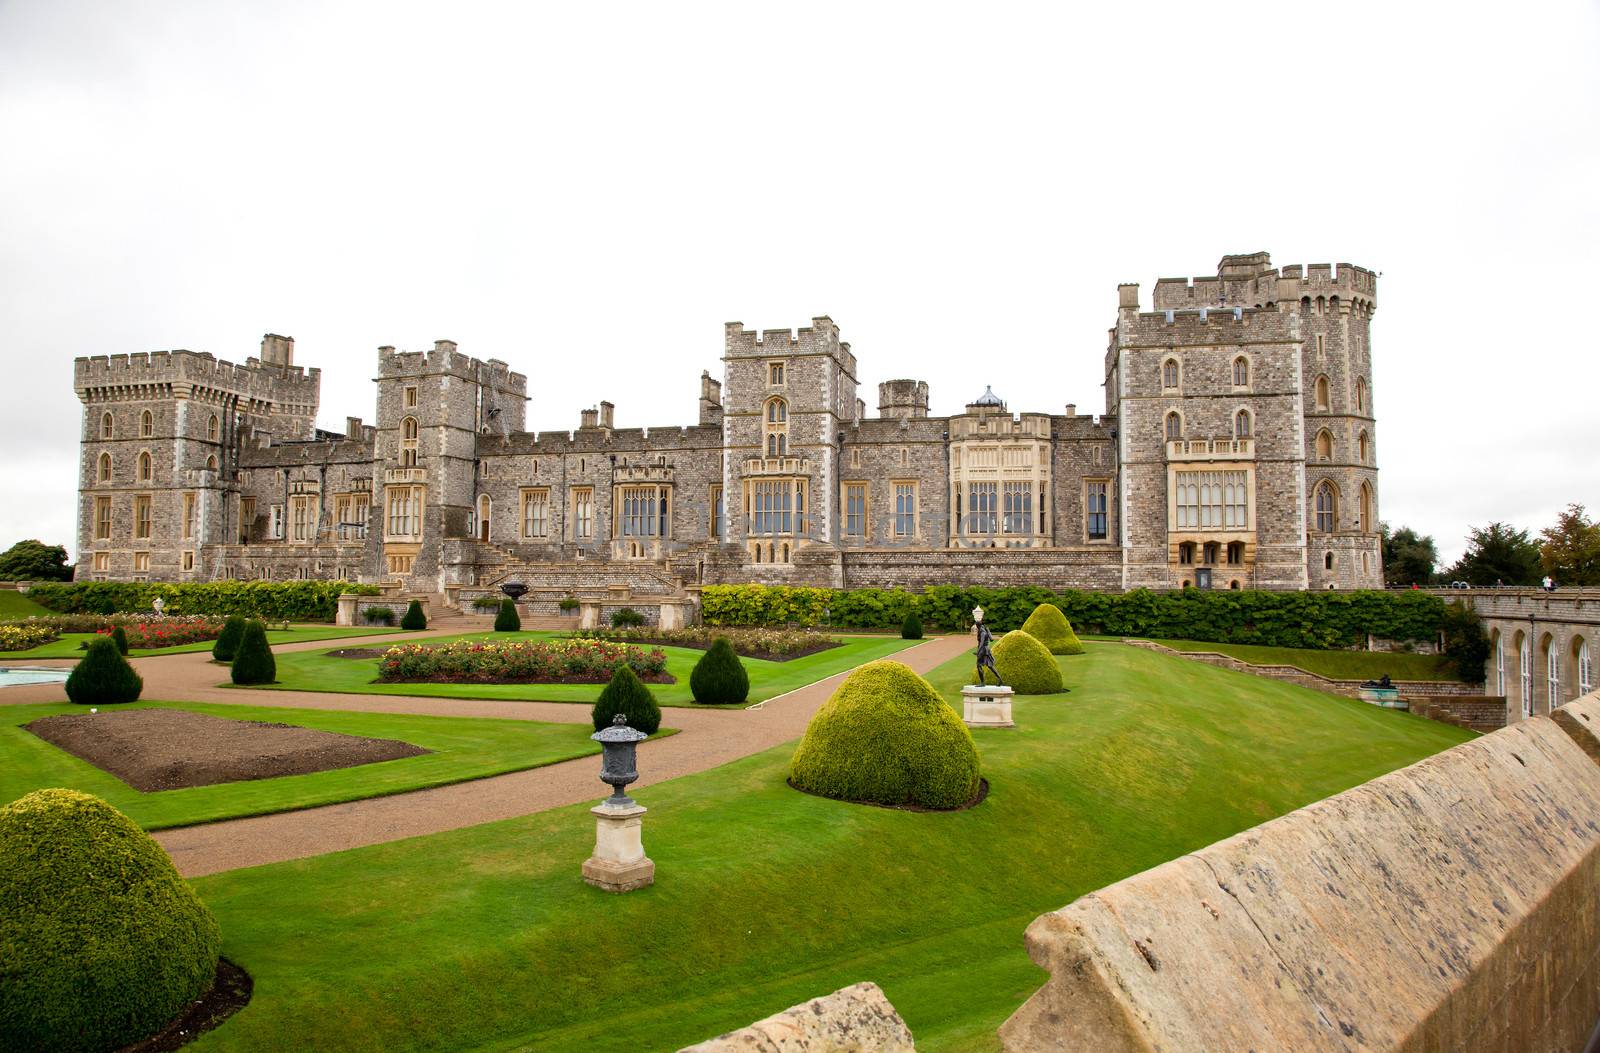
[619, 863]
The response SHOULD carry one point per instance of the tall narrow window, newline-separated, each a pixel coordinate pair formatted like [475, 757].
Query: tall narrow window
[1552, 675]
[146, 468]
[1327, 507]
[775, 374]
[583, 513]
[408, 442]
[1241, 424]
[855, 509]
[1585, 669]
[147, 424]
[1525, 668]
[1324, 445]
[102, 519]
[1320, 392]
[108, 427]
[777, 428]
[1241, 372]
[103, 472]
[1095, 510]
[141, 517]
[190, 515]
[718, 513]
[411, 398]
[1499, 664]
[1361, 396]
[535, 513]
[905, 509]
[1365, 509]
[1361, 447]
[213, 428]
[1169, 373]
[1174, 426]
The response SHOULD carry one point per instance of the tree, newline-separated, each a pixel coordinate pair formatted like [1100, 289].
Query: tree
[103, 677]
[1465, 642]
[1409, 558]
[1571, 550]
[34, 561]
[1498, 554]
[254, 663]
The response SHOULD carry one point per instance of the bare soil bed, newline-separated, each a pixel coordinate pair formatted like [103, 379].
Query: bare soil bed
[168, 749]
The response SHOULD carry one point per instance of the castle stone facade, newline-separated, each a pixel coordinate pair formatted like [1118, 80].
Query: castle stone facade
[1236, 450]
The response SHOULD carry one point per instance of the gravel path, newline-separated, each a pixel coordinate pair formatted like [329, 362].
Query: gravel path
[708, 738]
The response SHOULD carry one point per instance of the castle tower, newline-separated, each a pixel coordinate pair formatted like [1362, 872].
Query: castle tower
[786, 398]
[158, 479]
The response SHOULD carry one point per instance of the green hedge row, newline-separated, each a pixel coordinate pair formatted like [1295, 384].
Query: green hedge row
[1324, 620]
[300, 601]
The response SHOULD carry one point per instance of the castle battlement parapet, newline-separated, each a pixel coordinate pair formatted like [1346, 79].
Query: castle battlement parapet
[197, 373]
[1219, 325]
[445, 359]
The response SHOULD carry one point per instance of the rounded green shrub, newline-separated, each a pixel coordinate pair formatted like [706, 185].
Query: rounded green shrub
[911, 628]
[103, 677]
[254, 663]
[718, 678]
[1050, 627]
[227, 644]
[379, 615]
[886, 737]
[507, 621]
[1026, 666]
[626, 618]
[414, 618]
[119, 636]
[628, 695]
[103, 943]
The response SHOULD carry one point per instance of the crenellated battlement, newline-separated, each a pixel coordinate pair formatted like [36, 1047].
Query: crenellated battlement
[820, 337]
[1251, 281]
[624, 442]
[445, 359]
[1217, 325]
[163, 374]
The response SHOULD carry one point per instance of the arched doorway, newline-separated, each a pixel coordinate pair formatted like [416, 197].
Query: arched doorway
[484, 507]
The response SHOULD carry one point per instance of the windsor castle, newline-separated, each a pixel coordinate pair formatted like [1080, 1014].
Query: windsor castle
[1236, 449]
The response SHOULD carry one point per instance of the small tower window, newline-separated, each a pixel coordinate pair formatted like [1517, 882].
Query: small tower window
[147, 424]
[1366, 509]
[104, 471]
[213, 428]
[1361, 396]
[777, 428]
[1324, 445]
[1169, 373]
[1174, 425]
[108, 428]
[775, 374]
[411, 398]
[408, 442]
[1327, 561]
[1321, 393]
[1327, 509]
[1241, 424]
[1361, 446]
[1241, 372]
[146, 468]
[211, 463]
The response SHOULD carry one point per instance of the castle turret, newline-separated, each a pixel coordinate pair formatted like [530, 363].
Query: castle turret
[903, 399]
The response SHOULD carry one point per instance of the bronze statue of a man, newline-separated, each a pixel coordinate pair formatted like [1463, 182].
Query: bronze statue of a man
[985, 654]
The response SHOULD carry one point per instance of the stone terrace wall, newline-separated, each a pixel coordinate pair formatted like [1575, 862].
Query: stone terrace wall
[854, 1019]
[1448, 905]
[1476, 714]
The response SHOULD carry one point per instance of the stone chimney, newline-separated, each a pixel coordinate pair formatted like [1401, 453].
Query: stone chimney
[352, 427]
[1072, 409]
[710, 398]
[606, 413]
[589, 419]
[277, 350]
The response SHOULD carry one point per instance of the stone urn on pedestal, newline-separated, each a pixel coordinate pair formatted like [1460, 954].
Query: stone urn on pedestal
[985, 705]
[619, 863]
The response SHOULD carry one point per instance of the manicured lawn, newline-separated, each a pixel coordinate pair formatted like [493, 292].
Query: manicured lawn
[486, 939]
[1335, 665]
[14, 604]
[463, 748]
[315, 671]
[70, 645]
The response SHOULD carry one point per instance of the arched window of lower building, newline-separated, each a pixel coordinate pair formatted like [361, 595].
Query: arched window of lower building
[1552, 673]
[1525, 673]
[1499, 664]
[1580, 661]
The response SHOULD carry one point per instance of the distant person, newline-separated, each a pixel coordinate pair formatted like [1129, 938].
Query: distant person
[1499, 584]
[1549, 584]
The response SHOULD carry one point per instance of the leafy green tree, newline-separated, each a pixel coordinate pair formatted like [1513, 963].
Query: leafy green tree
[1465, 642]
[1409, 558]
[1571, 550]
[34, 561]
[1498, 554]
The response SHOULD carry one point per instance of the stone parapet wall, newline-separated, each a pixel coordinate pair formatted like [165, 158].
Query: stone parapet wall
[1475, 714]
[854, 1019]
[1087, 568]
[1448, 905]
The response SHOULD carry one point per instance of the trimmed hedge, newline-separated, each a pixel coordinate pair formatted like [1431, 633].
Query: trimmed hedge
[414, 618]
[304, 601]
[103, 677]
[1026, 665]
[1050, 627]
[911, 628]
[719, 678]
[119, 636]
[1320, 620]
[886, 737]
[104, 943]
[227, 644]
[254, 663]
[628, 695]
[508, 621]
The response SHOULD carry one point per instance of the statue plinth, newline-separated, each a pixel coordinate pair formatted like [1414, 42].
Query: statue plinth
[986, 706]
[619, 863]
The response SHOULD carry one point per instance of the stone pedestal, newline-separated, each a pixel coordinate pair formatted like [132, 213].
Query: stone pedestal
[588, 614]
[347, 609]
[619, 863]
[986, 706]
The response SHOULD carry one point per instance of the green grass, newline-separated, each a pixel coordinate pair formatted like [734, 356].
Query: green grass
[315, 671]
[486, 939]
[14, 604]
[70, 645]
[464, 748]
[1335, 665]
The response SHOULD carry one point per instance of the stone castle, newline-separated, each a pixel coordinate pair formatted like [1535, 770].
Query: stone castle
[1236, 450]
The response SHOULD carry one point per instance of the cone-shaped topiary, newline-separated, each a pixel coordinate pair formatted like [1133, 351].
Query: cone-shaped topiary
[227, 644]
[628, 695]
[414, 618]
[254, 663]
[887, 737]
[719, 678]
[1050, 627]
[1026, 666]
[103, 677]
[507, 620]
[104, 942]
[119, 636]
[911, 628]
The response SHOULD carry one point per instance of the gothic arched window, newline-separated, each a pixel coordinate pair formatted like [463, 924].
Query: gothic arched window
[1327, 507]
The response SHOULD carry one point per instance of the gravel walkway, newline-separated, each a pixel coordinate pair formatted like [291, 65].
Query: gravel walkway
[708, 738]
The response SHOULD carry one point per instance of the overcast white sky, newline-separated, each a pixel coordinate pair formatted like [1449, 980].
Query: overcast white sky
[590, 191]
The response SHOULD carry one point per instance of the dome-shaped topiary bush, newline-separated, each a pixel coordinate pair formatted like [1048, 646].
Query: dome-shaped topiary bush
[1026, 666]
[227, 644]
[101, 942]
[911, 628]
[719, 678]
[119, 636]
[1050, 627]
[887, 737]
[628, 695]
[507, 621]
[254, 663]
[414, 618]
[103, 677]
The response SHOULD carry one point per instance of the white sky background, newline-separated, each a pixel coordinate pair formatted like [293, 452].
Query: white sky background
[590, 191]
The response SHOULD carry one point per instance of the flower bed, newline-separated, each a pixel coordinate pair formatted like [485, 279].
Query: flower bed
[93, 623]
[26, 637]
[167, 632]
[773, 645]
[572, 661]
